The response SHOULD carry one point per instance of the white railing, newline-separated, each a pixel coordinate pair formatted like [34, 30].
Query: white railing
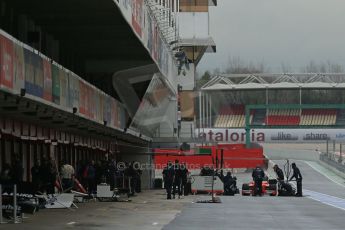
[166, 17]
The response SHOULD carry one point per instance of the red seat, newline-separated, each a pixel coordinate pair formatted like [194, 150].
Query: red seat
[282, 120]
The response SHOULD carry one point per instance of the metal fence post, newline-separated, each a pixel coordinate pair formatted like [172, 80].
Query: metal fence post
[1, 218]
[15, 204]
[340, 159]
[332, 157]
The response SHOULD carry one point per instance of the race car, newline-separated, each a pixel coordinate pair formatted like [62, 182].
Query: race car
[269, 187]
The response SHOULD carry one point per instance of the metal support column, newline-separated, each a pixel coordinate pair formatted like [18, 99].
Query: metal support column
[247, 127]
[267, 101]
[210, 110]
[206, 110]
[340, 159]
[1, 218]
[202, 110]
[15, 204]
[332, 156]
[199, 110]
[300, 100]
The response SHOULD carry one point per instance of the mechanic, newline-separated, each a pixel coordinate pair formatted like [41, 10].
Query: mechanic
[279, 172]
[229, 184]
[258, 176]
[184, 174]
[298, 176]
[284, 186]
[168, 177]
[177, 180]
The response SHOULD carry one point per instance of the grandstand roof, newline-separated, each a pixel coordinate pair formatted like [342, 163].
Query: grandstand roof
[275, 81]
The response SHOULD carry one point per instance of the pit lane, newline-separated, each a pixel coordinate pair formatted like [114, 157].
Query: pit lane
[320, 208]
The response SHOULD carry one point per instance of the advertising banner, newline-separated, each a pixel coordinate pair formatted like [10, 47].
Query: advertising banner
[99, 106]
[19, 68]
[83, 98]
[271, 135]
[90, 100]
[38, 76]
[56, 84]
[144, 24]
[29, 72]
[73, 91]
[6, 62]
[145, 30]
[63, 75]
[155, 39]
[112, 111]
[33, 74]
[107, 109]
[115, 114]
[137, 16]
[47, 80]
[149, 30]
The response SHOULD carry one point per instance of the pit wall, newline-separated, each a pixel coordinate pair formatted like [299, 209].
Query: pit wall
[235, 156]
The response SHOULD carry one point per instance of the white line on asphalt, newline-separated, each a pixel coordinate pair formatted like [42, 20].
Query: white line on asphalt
[319, 171]
[70, 223]
[333, 201]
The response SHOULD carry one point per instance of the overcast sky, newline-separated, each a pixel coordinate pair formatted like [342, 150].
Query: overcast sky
[292, 32]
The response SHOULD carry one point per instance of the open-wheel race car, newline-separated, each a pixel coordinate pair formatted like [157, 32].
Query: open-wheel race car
[269, 187]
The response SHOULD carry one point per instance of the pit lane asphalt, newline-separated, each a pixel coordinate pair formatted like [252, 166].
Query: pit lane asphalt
[270, 212]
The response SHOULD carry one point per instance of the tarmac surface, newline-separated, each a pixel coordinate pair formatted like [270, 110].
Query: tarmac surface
[322, 207]
[147, 210]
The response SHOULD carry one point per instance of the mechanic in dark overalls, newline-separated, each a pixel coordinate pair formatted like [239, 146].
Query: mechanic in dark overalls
[184, 174]
[279, 172]
[229, 183]
[177, 180]
[280, 178]
[168, 177]
[298, 176]
[258, 176]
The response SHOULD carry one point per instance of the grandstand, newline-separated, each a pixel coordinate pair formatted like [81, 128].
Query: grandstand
[230, 118]
[223, 100]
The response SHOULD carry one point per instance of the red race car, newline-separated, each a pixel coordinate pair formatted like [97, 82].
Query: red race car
[269, 187]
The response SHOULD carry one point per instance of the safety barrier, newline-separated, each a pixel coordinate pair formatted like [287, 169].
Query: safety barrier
[324, 157]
